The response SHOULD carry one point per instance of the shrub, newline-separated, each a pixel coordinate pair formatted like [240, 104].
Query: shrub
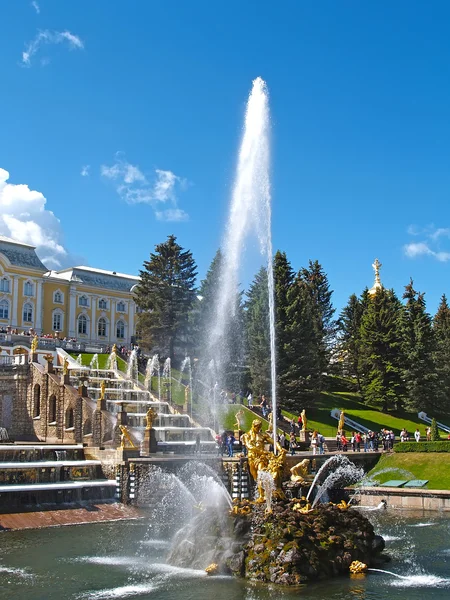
[423, 446]
[434, 431]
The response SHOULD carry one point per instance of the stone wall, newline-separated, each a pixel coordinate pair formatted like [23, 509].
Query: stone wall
[14, 415]
[37, 404]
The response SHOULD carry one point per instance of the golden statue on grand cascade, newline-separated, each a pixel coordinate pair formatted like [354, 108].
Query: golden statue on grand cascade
[260, 459]
[34, 344]
[125, 437]
[341, 424]
[304, 420]
[150, 417]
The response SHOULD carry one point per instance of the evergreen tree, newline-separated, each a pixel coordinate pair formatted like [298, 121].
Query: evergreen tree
[203, 312]
[166, 294]
[283, 279]
[435, 437]
[381, 356]
[349, 325]
[317, 281]
[419, 371]
[301, 379]
[228, 351]
[441, 328]
[257, 333]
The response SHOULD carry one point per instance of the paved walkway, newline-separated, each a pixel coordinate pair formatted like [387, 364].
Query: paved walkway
[75, 515]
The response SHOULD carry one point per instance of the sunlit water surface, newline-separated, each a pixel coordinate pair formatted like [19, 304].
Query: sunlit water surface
[124, 560]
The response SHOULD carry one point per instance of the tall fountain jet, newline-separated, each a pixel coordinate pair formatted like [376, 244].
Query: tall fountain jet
[250, 212]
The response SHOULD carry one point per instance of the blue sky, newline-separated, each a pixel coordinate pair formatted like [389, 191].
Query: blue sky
[147, 98]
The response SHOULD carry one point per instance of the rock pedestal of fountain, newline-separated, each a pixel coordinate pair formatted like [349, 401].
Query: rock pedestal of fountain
[293, 544]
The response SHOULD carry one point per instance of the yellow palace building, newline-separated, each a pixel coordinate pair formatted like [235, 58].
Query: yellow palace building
[85, 303]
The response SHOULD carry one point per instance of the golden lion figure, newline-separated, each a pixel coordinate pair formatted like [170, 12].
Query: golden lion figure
[260, 459]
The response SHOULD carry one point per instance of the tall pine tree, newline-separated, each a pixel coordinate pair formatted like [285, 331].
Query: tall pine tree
[381, 357]
[441, 327]
[349, 325]
[283, 279]
[419, 371]
[166, 294]
[317, 281]
[301, 378]
[257, 333]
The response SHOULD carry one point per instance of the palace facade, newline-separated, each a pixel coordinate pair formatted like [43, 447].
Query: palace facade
[84, 303]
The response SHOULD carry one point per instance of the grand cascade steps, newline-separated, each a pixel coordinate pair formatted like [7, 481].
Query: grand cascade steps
[39, 474]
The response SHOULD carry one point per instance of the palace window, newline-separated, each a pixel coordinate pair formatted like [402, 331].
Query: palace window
[4, 309]
[58, 298]
[102, 304]
[101, 329]
[57, 321]
[82, 325]
[4, 285]
[27, 313]
[83, 301]
[121, 307]
[29, 289]
[120, 330]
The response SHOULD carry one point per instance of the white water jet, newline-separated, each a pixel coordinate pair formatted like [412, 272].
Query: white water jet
[167, 378]
[132, 367]
[186, 366]
[250, 211]
[94, 362]
[80, 360]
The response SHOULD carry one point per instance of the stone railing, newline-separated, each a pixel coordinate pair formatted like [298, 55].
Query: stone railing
[9, 339]
[11, 361]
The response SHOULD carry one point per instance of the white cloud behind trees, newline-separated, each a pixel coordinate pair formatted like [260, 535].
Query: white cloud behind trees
[25, 218]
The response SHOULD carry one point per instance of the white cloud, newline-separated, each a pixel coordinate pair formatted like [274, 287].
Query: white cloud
[135, 188]
[23, 217]
[50, 37]
[85, 170]
[441, 232]
[36, 7]
[172, 214]
[414, 250]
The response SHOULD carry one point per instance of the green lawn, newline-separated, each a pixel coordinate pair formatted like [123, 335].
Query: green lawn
[227, 417]
[319, 417]
[102, 360]
[434, 466]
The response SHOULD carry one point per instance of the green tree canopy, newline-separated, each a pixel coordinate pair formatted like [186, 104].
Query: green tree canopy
[166, 294]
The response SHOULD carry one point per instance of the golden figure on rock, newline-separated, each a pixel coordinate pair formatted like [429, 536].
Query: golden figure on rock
[34, 344]
[260, 459]
[300, 471]
[102, 389]
[304, 420]
[65, 367]
[150, 416]
[125, 437]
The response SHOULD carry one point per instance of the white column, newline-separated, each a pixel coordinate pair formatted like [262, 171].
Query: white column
[93, 320]
[38, 317]
[72, 309]
[112, 329]
[130, 320]
[15, 300]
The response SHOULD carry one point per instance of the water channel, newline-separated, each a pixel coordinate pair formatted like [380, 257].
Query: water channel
[124, 560]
